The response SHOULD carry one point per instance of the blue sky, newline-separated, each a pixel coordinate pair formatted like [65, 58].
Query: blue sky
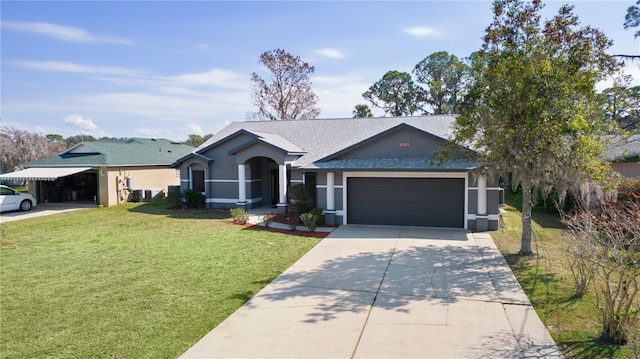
[169, 69]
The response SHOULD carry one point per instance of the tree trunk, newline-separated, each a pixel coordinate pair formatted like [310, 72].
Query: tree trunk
[525, 242]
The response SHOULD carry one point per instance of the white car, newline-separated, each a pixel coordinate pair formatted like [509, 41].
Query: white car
[11, 200]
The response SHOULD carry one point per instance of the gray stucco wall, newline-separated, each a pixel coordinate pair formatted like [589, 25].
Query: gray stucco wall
[403, 143]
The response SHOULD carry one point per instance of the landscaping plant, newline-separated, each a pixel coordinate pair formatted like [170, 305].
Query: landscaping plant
[609, 236]
[239, 215]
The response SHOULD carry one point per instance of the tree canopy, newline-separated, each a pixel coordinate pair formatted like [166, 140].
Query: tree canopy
[288, 94]
[20, 146]
[362, 110]
[445, 77]
[531, 110]
[396, 94]
[196, 140]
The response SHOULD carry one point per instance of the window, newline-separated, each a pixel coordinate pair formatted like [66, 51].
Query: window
[197, 180]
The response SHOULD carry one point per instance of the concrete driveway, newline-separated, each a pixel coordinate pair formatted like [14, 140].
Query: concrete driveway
[387, 292]
[44, 209]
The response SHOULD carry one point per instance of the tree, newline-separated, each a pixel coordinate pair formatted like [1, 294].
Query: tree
[197, 140]
[396, 94]
[74, 140]
[605, 243]
[362, 110]
[288, 95]
[445, 77]
[531, 110]
[621, 105]
[20, 146]
[632, 19]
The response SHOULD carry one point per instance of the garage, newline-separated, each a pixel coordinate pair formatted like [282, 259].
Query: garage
[429, 202]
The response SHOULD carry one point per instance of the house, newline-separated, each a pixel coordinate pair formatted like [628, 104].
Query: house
[364, 170]
[624, 155]
[104, 172]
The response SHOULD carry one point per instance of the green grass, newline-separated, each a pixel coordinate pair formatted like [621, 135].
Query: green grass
[130, 281]
[547, 280]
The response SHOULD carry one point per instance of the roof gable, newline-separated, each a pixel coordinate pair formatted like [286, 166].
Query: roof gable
[320, 138]
[404, 142]
[140, 152]
[271, 140]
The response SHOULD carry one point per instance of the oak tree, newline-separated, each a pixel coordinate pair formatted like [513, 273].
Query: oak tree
[287, 95]
[531, 110]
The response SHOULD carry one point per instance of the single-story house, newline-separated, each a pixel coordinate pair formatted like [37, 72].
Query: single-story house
[365, 171]
[624, 155]
[104, 172]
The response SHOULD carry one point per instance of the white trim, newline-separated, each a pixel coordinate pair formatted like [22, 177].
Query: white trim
[491, 217]
[232, 200]
[325, 186]
[488, 188]
[254, 180]
[184, 180]
[464, 175]
[221, 181]
[296, 181]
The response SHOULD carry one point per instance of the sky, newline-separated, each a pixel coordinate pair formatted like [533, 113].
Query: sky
[167, 69]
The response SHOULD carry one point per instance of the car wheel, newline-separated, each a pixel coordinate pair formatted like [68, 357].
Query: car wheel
[25, 205]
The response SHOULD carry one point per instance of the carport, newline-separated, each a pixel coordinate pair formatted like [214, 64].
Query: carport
[59, 184]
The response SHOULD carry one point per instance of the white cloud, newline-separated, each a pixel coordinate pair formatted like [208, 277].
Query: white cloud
[84, 125]
[213, 77]
[60, 66]
[203, 47]
[194, 128]
[420, 31]
[64, 33]
[331, 53]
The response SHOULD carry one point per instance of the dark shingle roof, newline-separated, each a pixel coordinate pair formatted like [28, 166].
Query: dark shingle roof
[133, 152]
[319, 138]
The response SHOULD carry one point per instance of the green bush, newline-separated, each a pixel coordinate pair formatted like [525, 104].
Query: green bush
[310, 220]
[195, 199]
[317, 212]
[239, 215]
[302, 198]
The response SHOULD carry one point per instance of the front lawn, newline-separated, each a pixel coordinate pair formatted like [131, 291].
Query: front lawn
[130, 281]
[547, 280]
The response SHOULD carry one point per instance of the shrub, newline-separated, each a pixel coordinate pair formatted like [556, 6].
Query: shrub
[239, 215]
[310, 220]
[293, 219]
[195, 199]
[267, 219]
[302, 198]
[317, 212]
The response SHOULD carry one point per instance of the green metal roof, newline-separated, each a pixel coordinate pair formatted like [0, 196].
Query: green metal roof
[133, 152]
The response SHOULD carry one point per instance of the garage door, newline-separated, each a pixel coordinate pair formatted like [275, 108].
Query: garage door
[432, 202]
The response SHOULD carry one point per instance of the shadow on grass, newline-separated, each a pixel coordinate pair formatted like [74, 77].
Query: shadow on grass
[542, 216]
[168, 209]
[589, 349]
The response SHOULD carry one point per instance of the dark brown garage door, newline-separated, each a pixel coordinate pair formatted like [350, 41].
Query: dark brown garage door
[431, 202]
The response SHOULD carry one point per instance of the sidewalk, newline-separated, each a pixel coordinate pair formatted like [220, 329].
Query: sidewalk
[387, 292]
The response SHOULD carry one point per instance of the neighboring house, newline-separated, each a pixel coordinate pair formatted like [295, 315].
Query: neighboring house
[624, 155]
[104, 172]
[365, 171]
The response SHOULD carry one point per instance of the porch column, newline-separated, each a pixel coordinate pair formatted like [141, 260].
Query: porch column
[282, 205]
[482, 220]
[242, 186]
[330, 211]
[331, 198]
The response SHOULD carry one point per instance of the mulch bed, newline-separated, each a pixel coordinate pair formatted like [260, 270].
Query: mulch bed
[280, 230]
